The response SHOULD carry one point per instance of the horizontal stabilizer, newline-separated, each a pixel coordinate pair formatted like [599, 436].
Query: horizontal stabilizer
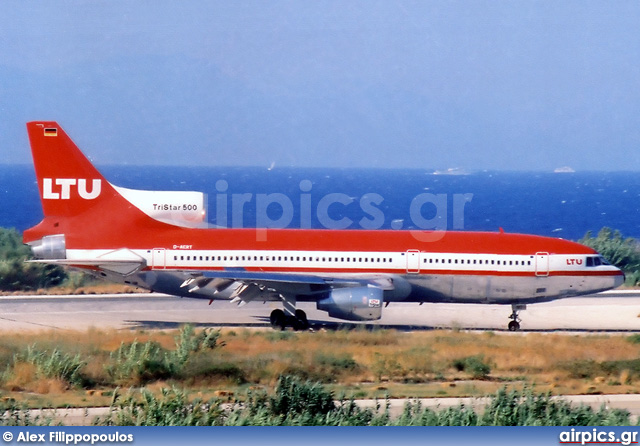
[121, 261]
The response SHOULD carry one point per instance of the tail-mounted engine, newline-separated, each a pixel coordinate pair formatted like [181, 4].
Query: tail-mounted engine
[49, 247]
[362, 303]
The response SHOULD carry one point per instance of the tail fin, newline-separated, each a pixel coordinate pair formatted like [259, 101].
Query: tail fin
[75, 196]
[82, 208]
[69, 184]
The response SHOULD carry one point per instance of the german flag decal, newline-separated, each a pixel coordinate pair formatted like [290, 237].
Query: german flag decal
[50, 132]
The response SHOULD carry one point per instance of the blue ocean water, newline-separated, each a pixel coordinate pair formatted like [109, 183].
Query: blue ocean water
[563, 205]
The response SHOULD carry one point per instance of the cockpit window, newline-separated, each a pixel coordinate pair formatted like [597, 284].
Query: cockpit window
[596, 261]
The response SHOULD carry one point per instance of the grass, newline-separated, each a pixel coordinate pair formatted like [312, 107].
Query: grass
[84, 368]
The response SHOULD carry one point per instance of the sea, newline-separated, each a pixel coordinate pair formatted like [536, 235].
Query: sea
[565, 205]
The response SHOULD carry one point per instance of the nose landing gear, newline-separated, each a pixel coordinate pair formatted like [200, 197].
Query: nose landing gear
[514, 325]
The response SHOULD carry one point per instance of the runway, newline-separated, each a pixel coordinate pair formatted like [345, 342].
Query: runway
[610, 311]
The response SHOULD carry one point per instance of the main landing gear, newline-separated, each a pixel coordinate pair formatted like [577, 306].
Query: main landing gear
[281, 320]
[514, 325]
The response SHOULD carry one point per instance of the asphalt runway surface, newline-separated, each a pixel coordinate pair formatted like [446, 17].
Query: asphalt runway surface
[611, 311]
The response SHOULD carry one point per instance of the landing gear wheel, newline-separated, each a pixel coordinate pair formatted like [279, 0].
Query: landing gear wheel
[301, 320]
[278, 319]
[514, 325]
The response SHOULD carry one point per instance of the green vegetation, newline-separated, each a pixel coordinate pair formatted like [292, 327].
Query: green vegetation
[619, 251]
[476, 366]
[435, 363]
[303, 403]
[298, 403]
[54, 364]
[139, 363]
[15, 274]
[243, 377]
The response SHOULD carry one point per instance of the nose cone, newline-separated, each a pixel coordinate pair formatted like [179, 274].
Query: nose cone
[619, 279]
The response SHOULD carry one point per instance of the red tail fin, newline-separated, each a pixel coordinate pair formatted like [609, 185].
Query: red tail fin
[76, 198]
[68, 182]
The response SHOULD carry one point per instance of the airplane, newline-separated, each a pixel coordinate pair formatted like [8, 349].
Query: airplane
[155, 240]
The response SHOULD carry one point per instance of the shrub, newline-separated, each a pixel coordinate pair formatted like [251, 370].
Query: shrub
[54, 364]
[634, 338]
[296, 402]
[141, 363]
[581, 369]
[171, 408]
[514, 408]
[473, 365]
[137, 363]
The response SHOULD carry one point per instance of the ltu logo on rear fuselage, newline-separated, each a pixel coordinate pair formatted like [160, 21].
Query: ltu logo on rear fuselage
[64, 186]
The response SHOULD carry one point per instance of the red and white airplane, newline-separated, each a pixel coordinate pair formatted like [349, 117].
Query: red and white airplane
[148, 239]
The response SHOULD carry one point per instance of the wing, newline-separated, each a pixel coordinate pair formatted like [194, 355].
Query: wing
[241, 286]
